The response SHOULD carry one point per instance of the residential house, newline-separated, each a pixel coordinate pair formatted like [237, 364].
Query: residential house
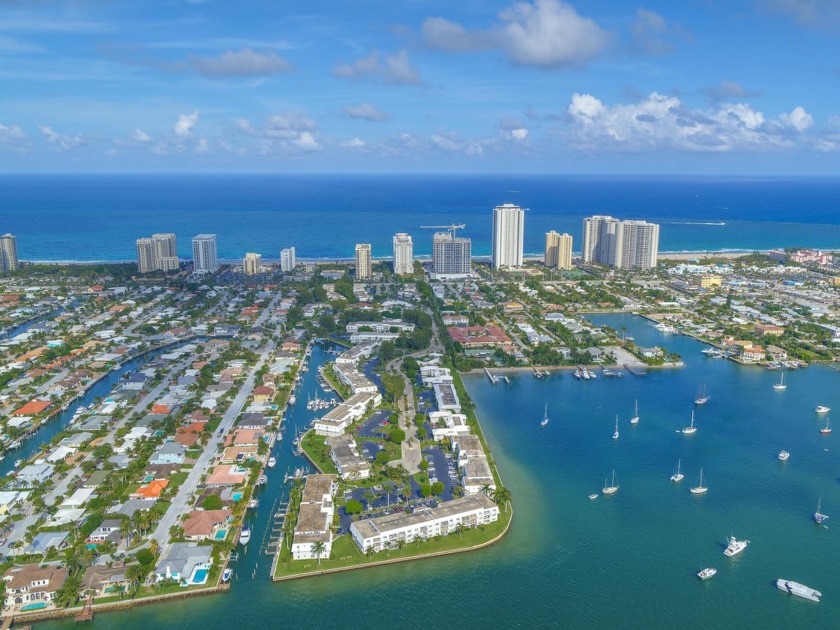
[33, 583]
[203, 524]
[186, 562]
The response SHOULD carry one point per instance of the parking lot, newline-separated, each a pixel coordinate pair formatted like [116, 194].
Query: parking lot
[373, 426]
[442, 468]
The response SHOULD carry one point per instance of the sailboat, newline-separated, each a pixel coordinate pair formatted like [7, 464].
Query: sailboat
[677, 476]
[611, 489]
[826, 429]
[635, 418]
[781, 384]
[819, 517]
[699, 488]
[702, 395]
[615, 435]
[545, 416]
[690, 428]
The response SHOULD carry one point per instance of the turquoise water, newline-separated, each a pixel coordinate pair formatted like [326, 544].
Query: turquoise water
[626, 561]
[200, 576]
[35, 606]
[220, 535]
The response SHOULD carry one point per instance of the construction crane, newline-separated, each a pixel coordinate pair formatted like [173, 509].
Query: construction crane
[451, 228]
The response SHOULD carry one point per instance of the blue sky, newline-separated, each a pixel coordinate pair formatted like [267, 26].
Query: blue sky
[661, 87]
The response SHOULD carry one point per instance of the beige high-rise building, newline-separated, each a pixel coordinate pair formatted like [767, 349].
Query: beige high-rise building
[8, 253]
[451, 256]
[622, 244]
[558, 250]
[145, 255]
[403, 254]
[364, 268]
[165, 251]
[508, 236]
[251, 263]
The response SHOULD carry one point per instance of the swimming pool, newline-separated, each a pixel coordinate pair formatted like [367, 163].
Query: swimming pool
[220, 535]
[200, 576]
[236, 496]
[34, 606]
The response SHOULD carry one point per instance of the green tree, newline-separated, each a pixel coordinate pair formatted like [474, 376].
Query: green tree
[212, 502]
[353, 507]
[437, 488]
[318, 547]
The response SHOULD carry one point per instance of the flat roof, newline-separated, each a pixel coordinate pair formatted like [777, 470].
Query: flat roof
[384, 524]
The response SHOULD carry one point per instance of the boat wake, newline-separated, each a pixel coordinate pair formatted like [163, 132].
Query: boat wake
[717, 223]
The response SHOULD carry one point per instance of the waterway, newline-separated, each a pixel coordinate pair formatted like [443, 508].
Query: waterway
[625, 561]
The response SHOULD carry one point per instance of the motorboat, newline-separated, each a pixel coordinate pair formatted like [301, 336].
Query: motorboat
[800, 590]
[271, 462]
[545, 416]
[705, 574]
[822, 409]
[226, 575]
[735, 546]
[615, 433]
[593, 496]
[244, 535]
[783, 456]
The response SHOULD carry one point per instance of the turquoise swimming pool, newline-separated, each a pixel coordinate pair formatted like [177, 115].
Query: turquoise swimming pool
[220, 535]
[236, 496]
[200, 576]
[33, 606]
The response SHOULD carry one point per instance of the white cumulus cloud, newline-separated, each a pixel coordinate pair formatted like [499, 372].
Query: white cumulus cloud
[388, 68]
[366, 111]
[140, 135]
[185, 123]
[60, 140]
[354, 143]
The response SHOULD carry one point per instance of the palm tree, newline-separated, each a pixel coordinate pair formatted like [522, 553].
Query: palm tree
[486, 490]
[126, 530]
[502, 496]
[134, 574]
[318, 547]
[154, 547]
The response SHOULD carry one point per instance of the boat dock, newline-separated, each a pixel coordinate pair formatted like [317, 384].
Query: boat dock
[492, 378]
[278, 526]
[87, 611]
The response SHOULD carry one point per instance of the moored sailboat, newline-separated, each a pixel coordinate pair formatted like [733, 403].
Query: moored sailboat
[781, 384]
[678, 476]
[819, 517]
[612, 488]
[635, 418]
[690, 428]
[700, 488]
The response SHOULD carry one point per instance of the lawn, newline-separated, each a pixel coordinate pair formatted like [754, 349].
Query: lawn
[318, 452]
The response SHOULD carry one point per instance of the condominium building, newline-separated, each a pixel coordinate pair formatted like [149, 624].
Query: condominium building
[617, 243]
[314, 519]
[363, 261]
[8, 253]
[205, 258]
[287, 260]
[558, 250]
[251, 263]
[403, 254]
[145, 255]
[451, 256]
[508, 236]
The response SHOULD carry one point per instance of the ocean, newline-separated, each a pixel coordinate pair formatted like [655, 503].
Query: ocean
[99, 217]
[622, 561]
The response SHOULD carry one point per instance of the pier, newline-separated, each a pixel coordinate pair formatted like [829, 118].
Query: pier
[634, 372]
[492, 378]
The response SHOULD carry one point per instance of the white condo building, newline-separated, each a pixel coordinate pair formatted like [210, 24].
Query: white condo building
[508, 236]
[558, 250]
[287, 260]
[617, 243]
[8, 253]
[403, 254]
[364, 270]
[251, 264]
[205, 258]
[451, 256]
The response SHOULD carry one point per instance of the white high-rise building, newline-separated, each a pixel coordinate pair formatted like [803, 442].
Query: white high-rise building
[364, 269]
[451, 255]
[508, 236]
[623, 244]
[165, 251]
[403, 254]
[8, 253]
[205, 258]
[251, 263]
[558, 250]
[287, 260]
[145, 255]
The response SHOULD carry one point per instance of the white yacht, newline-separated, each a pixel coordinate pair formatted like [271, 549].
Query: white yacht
[706, 573]
[612, 488]
[800, 590]
[635, 418]
[690, 428]
[545, 416]
[677, 476]
[781, 384]
[700, 488]
[783, 456]
[735, 546]
[244, 535]
[272, 461]
[822, 409]
[702, 395]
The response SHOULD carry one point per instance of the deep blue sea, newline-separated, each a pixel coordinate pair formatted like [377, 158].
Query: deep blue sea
[99, 217]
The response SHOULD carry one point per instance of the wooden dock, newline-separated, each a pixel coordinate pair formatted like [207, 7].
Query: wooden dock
[87, 611]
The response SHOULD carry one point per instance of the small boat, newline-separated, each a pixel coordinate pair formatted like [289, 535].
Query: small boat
[700, 488]
[735, 546]
[826, 429]
[710, 351]
[819, 517]
[781, 384]
[635, 418]
[262, 479]
[822, 409]
[690, 428]
[612, 488]
[271, 462]
[593, 496]
[705, 574]
[545, 416]
[677, 476]
[783, 456]
[253, 504]
[702, 395]
[226, 575]
[244, 535]
[800, 590]
[615, 434]
[18, 462]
